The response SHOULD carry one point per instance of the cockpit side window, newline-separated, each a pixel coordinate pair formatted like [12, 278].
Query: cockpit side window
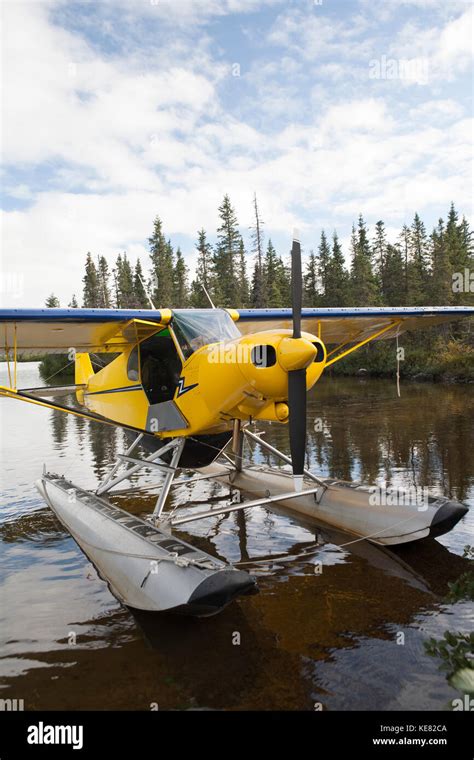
[183, 341]
[132, 365]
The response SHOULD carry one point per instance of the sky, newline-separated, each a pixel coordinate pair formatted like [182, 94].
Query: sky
[115, 111]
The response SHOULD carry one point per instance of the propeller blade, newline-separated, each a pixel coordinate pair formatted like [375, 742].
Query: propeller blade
[297, 378]
[296, 285]
[297, 422]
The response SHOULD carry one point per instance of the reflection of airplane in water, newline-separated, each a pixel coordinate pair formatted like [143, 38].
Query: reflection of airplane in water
[189, 384]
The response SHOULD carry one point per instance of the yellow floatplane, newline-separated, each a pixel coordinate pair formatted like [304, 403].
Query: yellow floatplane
[188, 384]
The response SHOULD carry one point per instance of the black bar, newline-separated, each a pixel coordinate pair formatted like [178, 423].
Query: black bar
[334, 734]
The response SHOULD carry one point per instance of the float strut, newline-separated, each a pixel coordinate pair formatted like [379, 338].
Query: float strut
[283, 457]
[169, 477]
[238, 445]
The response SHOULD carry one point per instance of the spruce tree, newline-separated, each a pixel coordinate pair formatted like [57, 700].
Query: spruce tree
[364, 291]
[275, 296]
[276, 277]
[91, 297]
[379, 248]
[324, 255]
[393, 276]
[140, 298]
[161, 254]
[468, 248]
[418, 265]
[258, 283]
[180, 282]
[117, 275]
[73, 303]
[115, 279]
[103, 277]
[310, 281]
[226, 256]
[167, 287]
[243, 291]
[124, 282]
[258, 294]
[404, 244]
[52, 302]
[204, 274]
[270, 267]
[454, 242]
[363, 238]
[337, 277]
[441, 293]
[285, 279]
[466, 238]
[459, 250]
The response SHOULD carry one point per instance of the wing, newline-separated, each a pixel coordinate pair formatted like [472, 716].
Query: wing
[42, 331]
[350, 325]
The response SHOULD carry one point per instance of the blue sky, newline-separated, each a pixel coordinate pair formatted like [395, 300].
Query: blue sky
[116, 111]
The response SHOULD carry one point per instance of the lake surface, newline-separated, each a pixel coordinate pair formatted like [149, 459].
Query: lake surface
[306, 639]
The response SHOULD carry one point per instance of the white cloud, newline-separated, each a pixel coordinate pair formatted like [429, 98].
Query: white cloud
[358, 116]
[344, 47]
[448, 49]
[388, 10]
[125, 137]
[193, 11]
[111, 131]
[389, 178]
[313, 36]
[435, 111]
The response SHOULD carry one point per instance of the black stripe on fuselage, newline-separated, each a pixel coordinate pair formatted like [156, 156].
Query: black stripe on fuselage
[116, 390]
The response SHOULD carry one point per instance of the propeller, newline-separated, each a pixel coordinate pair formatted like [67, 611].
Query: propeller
[297, 378]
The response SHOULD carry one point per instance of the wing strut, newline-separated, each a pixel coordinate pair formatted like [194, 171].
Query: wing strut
[32, 399]
[360, 343]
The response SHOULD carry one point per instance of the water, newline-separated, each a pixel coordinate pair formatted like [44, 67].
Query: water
[348, 638]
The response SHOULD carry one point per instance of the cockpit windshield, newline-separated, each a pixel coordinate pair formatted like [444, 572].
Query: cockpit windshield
[198, 327]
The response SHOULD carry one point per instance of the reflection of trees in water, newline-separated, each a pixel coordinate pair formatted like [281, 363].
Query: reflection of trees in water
[105, 441]
[81, 430]
[365, 432]
[241, 521]
[59, 428]
[457, 448]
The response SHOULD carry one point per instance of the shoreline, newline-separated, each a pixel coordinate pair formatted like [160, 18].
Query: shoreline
[432, 374]
[436, 378]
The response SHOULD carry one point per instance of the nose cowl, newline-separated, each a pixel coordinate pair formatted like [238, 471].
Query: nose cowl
[296, 353]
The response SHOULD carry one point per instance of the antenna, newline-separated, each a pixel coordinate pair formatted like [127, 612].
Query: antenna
[146, 292]
[208, 296]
